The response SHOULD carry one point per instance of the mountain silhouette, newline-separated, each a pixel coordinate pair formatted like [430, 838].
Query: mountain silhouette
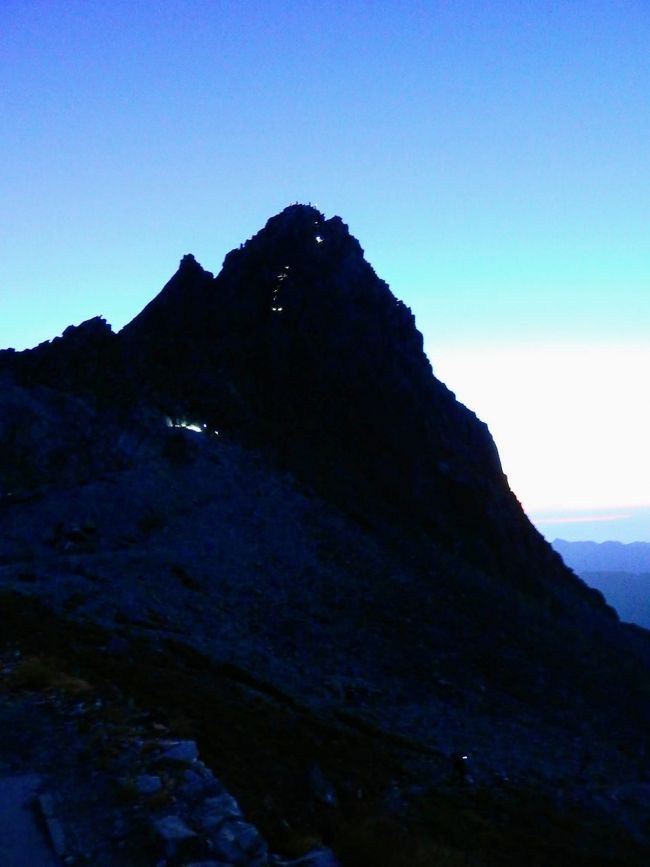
[335, 532]
[299, 348]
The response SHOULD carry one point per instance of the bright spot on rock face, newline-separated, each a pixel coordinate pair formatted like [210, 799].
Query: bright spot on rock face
[187, 425]
[319, 240]
[190, 425]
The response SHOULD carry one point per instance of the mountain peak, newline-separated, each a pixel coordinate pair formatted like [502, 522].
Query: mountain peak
[189, 264]
[298, 212]
[300, 236]
[299, 349]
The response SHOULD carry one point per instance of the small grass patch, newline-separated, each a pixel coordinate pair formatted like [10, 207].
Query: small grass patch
[39, 674]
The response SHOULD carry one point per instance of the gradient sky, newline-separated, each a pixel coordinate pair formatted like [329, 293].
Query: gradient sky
[491, 157]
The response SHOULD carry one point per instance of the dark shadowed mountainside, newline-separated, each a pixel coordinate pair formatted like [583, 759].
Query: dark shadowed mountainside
[327, 580]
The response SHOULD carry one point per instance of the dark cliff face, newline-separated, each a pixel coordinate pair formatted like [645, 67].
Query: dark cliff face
[297, 347]
[298, 343]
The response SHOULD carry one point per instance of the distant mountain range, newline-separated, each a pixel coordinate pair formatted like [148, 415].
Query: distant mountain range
[620, 571]
[605, 556]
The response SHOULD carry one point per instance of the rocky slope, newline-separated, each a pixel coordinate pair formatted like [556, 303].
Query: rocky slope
[338, 544]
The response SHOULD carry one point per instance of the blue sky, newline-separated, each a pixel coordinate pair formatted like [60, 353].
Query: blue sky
[490, 157]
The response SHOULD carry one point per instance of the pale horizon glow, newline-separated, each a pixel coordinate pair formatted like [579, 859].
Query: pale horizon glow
[580, 519]
[570, 420]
